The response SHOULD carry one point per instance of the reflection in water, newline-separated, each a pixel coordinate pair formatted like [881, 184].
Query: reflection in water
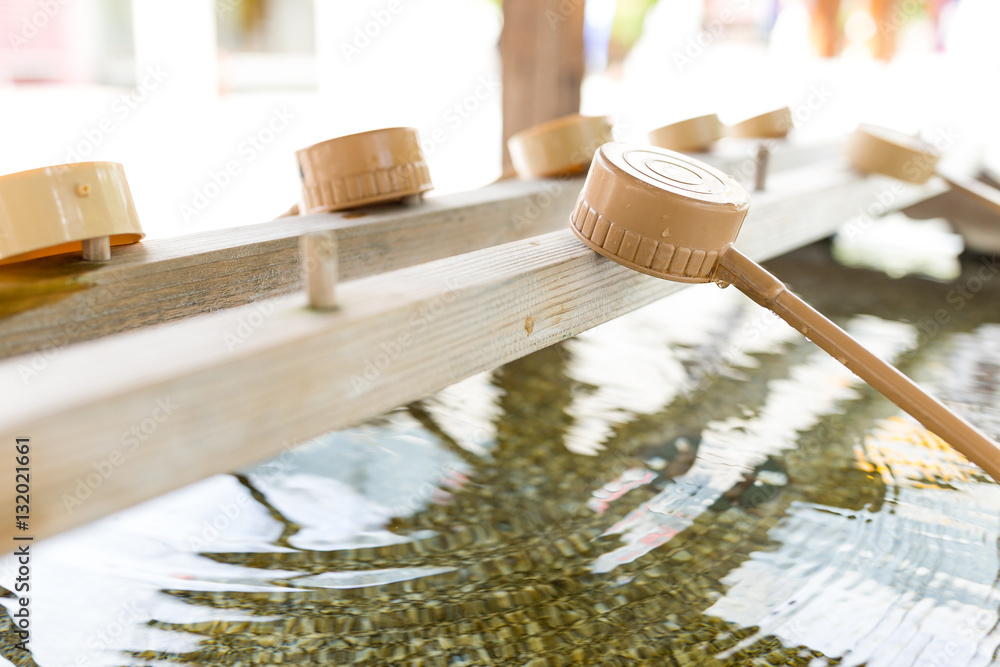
[464, 414]
[916, 580]
[692, 484]
[927, 247]
[732, 447]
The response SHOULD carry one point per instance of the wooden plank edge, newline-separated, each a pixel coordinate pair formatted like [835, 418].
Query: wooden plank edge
[161, 408]
[55, 302]
[59, 301]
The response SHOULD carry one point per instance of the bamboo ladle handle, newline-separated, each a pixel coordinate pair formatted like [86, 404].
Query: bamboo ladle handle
[978, 192]
[737, 269]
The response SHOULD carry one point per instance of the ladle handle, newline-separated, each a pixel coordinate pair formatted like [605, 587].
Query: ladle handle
[981, 193]
[750, 278]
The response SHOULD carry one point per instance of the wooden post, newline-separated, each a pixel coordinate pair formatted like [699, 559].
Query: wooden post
[886, 28]
[825, 29]
[541, 48]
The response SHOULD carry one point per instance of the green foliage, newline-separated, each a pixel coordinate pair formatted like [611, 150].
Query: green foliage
[628, 21]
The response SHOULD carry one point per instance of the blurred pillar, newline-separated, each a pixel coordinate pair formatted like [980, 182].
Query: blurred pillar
[541, 48]
[887, 27]
[825, 29]
[176, 41]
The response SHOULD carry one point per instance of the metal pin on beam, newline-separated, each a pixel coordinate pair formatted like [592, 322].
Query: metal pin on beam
[760, 175]
[97, 249]
[319, 268]
[413, 200]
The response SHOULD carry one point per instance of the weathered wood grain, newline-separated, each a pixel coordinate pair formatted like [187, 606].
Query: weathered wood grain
[163, 407]
[57, 301]
[53, 302]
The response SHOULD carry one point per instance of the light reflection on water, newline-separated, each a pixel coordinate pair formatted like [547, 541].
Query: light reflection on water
[732, 447]
[692, 480]
[926, 247]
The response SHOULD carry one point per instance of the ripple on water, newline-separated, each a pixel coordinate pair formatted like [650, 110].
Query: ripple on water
[692, 484]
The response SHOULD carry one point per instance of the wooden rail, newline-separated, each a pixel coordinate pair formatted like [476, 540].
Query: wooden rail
[120, 420]
[53, 302]
[59, 301]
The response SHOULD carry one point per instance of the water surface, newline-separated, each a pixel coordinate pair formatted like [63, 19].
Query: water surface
[692, 484]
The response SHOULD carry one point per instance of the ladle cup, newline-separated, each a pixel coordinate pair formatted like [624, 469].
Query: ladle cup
[66, 208]
[880, 150]
[696, 135]
[363, 169]
[559, 147]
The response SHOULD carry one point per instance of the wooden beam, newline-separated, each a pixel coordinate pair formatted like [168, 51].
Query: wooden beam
[541, 49]
[53, 302]
[57, 301]
[120, 420]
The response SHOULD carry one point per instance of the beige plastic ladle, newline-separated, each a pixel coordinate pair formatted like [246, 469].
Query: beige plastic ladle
[362, 169]
[66, 208]
[880, 150]
[774, 124]
[671, 216]
[559, 147]
[696, 135]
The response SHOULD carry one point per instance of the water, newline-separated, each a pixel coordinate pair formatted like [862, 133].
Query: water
[693, 484]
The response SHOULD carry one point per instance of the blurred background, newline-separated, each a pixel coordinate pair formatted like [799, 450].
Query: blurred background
[205, 101]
